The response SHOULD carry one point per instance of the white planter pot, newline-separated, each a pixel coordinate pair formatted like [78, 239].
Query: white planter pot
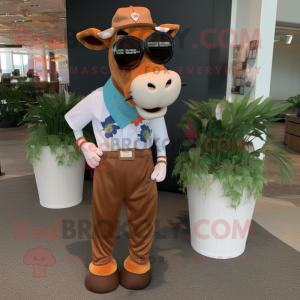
[58, 186]
[217, 230]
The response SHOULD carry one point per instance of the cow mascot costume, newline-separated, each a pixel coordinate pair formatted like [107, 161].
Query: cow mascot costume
[127, 114]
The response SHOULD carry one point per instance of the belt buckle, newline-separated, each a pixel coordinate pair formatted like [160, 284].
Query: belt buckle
[126, 154]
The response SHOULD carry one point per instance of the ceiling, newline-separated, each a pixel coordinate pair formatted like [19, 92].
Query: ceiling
[283, 29]
[33, 23]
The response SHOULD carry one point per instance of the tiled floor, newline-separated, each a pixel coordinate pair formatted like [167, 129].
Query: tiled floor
[12, 156]
[277, 211]
[275, 188]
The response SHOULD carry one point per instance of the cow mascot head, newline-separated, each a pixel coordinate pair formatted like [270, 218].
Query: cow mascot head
[127, 115]
[138, 48]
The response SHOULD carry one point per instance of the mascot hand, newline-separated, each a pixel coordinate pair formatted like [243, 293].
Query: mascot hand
[159, 172]
[91, 153]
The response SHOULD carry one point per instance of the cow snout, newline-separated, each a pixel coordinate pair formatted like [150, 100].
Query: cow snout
[153, 92]
[153, 87]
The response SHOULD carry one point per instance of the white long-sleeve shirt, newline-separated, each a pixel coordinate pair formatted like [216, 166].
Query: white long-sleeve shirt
[138, 134]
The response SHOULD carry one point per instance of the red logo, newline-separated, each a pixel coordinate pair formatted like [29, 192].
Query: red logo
[39, 258]
[135, 16]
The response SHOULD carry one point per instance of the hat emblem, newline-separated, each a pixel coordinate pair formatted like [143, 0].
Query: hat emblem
[135, 16]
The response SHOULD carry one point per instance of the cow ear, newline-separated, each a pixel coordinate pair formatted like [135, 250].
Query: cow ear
[95, 39]
[171, 29]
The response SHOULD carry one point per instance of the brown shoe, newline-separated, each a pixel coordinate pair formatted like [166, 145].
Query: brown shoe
[102, 284]
[135, 276]
[133, 281]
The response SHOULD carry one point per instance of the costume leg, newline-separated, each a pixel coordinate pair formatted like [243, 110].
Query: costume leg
[108, 197]
[141, 207]
[107, 202]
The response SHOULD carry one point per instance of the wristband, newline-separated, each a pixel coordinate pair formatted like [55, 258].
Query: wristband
[80, 141]
[162, 157]
[161, 161]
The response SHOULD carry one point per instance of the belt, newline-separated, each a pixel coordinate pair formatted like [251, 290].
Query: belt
[138, 153]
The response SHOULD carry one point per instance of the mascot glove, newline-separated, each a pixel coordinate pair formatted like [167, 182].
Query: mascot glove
[91, 153]
[159, 172]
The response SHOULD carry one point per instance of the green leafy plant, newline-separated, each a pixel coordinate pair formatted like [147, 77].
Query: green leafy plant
[294, 101]
[221, 149]
[12, 104]
[32, 89]
[51, 129]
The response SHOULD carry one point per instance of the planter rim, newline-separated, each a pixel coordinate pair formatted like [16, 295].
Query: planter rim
[71, 149]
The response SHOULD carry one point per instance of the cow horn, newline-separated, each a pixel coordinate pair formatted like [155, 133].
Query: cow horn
[106, 34]
[162, 29]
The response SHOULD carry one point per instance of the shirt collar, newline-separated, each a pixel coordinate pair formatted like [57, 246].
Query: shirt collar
[119, 109]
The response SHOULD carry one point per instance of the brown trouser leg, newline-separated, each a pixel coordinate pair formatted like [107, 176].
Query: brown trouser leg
[114, 182]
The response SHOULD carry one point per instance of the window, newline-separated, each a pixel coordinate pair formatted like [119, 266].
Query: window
[18, 63]
[25, 63]
[3, 63]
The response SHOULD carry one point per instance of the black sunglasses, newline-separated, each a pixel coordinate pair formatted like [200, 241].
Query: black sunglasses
[129, 50]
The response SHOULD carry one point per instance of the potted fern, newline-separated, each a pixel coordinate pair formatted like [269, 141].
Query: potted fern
[31, 89]
[11, 106]
[51, 147]
[221, 172]
[295, 103]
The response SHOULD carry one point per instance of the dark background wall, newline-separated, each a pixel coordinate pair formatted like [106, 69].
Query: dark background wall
[218, 57]
[190, 60]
